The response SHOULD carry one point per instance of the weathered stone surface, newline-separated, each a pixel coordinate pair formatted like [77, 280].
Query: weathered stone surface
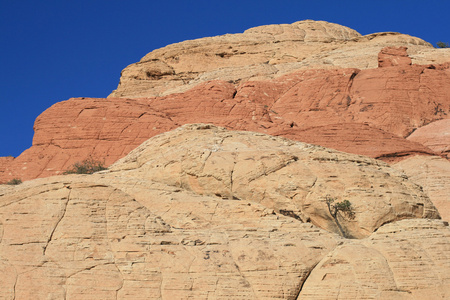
[396, 100]
[435, 136]
[358, 138]
[5, 163]
[201, 212]
[381, 106]
[433, 174]
[408, 259]
[132, 233]
[93, 240]
[393, 56]
[359, 111]
[264, 52]
[73, 130]
[283, 175]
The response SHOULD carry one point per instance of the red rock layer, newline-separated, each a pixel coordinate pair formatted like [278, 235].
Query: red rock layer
[436, 136]
[392, 56]
[366, 112]
[359, 139]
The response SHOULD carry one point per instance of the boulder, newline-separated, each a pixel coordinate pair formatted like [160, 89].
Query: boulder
[393, 56]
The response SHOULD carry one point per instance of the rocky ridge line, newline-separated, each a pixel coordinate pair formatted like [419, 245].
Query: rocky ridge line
[263, 53]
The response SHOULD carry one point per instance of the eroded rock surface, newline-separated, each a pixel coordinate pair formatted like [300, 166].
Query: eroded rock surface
[393, 56]
[264, 52]
[94, 240]
[310, 81]
[408, 259]
[368, 112]
[281, 174]
[433, 174]
[435, 136]
[202, 212]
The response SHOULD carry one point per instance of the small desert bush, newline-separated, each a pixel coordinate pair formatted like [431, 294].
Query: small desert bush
[442, 45]
[14, 181]
[87, 166]
[344, 207]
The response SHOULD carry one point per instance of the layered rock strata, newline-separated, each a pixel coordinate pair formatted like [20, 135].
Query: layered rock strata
[279, 82]
[435, 136]
[264, 52]
[368, 112]
[202, 212]
[133, 233]
[433, 174]
[281, 174]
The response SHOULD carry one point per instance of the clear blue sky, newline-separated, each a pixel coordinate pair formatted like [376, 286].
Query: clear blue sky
[52, 50]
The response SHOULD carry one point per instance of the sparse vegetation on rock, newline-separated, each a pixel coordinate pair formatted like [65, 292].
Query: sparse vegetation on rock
[217, 212]
[87, 166]
[343, 209]
[14, 181]
[442, 45]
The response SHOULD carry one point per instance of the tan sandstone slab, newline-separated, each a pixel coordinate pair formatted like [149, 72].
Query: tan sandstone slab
[92, 240]
[264, 52]
[433, 174]
[435, 135]
[408, 259]
[157, 225]
[287, 176]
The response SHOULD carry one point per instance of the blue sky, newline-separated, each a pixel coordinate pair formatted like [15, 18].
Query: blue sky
[52, 50]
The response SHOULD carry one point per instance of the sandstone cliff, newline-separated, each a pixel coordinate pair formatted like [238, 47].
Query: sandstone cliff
[264, 52]
[433, 174]
[196, 211]
[370, 112]
[202, 212]
[281, 83]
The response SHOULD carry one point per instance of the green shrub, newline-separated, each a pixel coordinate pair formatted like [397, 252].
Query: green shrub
[442, 45]
[14, 181]
[343, 209]
[87, 166]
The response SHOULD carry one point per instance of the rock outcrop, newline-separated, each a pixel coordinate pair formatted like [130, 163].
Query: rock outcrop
[91, 239]
[391, 56]
[264, 52]
[283, 175]
[157, 225]
[395, 262]
[435, 136]
[368, 112]
[247, 210]
[433, 174]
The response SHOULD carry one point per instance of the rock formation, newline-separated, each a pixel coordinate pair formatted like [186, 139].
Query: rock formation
[433, 174]
[310, 81]
[247, 210]
[391, 56]
[262, 53]
[158, 225]
[393, 263]
[368, 112]
[435, 136]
